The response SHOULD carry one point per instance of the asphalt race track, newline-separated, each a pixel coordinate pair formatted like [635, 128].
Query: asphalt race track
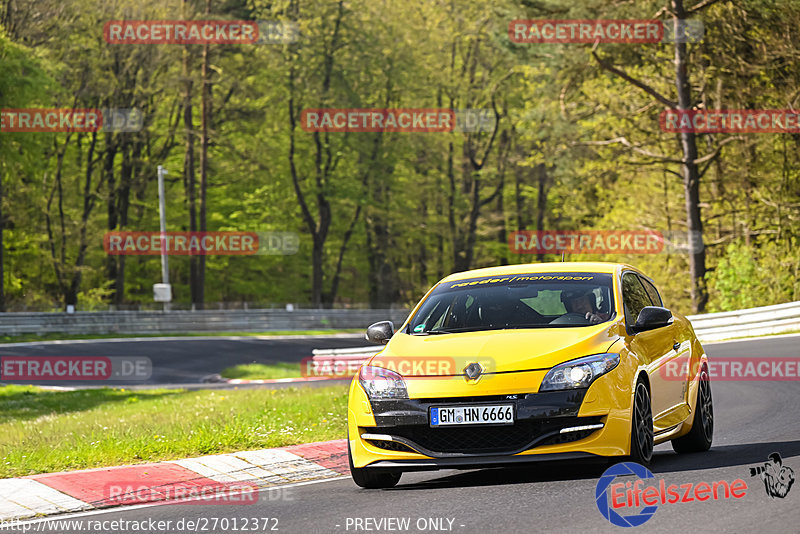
[185, 361]
[753, 419]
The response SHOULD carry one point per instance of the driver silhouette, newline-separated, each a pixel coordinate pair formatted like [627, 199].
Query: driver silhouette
[583, 303]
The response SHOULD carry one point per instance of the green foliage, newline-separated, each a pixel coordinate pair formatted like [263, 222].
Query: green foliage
[401, 210]
[749, 276]
[736, 279]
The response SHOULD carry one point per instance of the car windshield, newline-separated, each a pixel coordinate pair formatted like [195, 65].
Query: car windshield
[531, 300]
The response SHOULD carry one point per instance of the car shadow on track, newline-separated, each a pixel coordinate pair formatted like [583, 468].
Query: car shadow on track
[663, 462]
[723, 456]
[502, 476]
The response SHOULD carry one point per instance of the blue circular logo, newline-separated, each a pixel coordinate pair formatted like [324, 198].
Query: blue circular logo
[601, 495]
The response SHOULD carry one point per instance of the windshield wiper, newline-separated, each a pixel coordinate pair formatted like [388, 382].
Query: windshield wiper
[430, 332]
[460, 330]
[483, 328]
[540, 325]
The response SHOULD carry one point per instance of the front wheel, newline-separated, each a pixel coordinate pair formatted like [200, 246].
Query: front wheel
[641, 426]
[371, 478]
[699, 437]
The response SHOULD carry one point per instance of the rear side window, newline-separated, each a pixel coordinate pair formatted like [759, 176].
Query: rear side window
[634, 297]
[652, 292]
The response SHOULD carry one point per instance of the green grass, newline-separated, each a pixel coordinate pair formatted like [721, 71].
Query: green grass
[261, 371]
[23, 338]
[47, 431]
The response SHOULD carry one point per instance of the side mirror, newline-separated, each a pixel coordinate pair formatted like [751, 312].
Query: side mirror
[652, 317]
[381, 332]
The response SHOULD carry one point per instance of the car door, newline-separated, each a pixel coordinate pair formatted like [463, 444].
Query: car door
[676, 366]
[654, 349]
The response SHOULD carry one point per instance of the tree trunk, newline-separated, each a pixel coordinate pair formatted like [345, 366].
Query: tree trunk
[381, 278]
[519, 201]
[323, 167]
[112, 211]
[205, 112]
[422, 262]
[541, 201]
[317, 257]
[691, 175]
[131, 154]
[188, 164]
[2, 250]
[88, 204]
[330, 296]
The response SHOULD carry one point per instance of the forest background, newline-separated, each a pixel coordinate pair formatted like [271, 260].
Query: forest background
[575, 145]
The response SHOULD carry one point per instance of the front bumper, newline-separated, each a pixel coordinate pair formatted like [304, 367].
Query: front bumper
[541, 419]
[432, 464]
[397, 434]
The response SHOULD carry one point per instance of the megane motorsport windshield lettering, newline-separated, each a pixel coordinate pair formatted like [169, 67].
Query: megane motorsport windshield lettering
[514, 279]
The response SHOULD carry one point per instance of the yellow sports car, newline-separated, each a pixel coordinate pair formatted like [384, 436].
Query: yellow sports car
[527, 363]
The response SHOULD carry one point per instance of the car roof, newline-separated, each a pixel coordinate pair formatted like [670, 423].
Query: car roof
[550, 267]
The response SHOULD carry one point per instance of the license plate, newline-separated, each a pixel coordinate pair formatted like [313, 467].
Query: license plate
[472, 415]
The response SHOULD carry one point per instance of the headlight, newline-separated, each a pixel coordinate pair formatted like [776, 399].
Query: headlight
[578, 373]
[380, 383]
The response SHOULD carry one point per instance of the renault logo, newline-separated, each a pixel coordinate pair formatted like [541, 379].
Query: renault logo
[473, 371]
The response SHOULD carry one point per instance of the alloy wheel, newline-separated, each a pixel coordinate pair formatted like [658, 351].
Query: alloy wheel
[643, 422]
[706, 406]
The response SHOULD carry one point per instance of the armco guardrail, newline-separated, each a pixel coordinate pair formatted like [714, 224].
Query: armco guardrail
[342, 362]
[152, 322]
[708, 327]
[761, 321]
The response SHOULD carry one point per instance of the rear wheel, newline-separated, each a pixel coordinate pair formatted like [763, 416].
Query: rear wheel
[371, 478]
[641, 426]
[699, 437]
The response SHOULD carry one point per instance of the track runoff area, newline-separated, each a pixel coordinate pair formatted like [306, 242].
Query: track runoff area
[745, 483]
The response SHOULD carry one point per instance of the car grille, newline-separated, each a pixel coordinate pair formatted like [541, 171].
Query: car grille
[488, 439]
[569, 437]
[390, 445]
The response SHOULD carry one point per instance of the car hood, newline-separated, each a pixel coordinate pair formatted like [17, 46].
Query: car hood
[496, 350]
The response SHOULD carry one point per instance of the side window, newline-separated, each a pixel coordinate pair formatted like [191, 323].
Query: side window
[634, 297]
[655, 298]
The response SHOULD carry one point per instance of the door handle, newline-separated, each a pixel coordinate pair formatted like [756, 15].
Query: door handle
[676, 346]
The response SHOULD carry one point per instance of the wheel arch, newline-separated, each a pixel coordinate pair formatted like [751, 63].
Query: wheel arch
[642, 374]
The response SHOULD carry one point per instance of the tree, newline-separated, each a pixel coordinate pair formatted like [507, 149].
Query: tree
[23, 81]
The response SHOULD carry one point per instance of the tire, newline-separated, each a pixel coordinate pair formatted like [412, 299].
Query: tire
[371, 478]
[702, 433]
[641, 426]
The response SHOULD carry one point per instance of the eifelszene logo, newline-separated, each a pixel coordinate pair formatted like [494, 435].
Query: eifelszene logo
[778, 478]
[628, 496]
[607, 509]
